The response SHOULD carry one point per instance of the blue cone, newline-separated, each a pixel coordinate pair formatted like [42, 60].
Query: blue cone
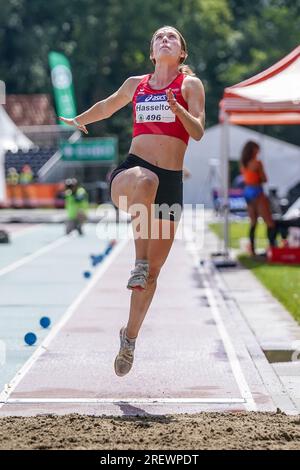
[30, 338]
[97, 260]
[45, 322]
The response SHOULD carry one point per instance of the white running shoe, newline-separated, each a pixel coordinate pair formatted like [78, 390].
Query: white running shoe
[139, 276]
[124, 359]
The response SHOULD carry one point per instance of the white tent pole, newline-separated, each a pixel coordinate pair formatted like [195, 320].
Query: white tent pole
[263, 153]
[225, 177]
[2, 177]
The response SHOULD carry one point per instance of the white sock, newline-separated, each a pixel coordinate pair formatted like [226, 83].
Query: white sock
[141, 261]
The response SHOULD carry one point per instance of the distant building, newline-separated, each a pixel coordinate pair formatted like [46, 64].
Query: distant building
[30, 110]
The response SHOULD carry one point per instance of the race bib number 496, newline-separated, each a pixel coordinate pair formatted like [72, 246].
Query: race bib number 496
[153, 108]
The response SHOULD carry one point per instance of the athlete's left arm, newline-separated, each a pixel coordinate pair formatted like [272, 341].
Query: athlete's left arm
[194, 119]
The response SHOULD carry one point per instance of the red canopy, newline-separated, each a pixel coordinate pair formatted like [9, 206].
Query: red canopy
[270, 97]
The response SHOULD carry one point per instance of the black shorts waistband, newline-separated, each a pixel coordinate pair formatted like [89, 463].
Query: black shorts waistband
[135, 159]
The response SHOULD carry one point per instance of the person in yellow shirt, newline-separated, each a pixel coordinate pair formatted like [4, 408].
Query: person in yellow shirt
[12, 176]
[12, 180]
[76, 204]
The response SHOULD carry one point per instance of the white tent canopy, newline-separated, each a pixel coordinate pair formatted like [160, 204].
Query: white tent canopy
[11, 138]
[281, 88]
[270, 97]
[203, 159]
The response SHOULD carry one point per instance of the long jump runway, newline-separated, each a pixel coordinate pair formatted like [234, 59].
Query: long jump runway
[189, 356]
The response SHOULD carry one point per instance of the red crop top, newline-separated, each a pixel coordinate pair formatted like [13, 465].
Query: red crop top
[152, 113]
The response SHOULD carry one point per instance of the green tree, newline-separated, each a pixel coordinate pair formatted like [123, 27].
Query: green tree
[107, 41]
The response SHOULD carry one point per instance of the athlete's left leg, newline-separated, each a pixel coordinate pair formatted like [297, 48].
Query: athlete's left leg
[158, 249]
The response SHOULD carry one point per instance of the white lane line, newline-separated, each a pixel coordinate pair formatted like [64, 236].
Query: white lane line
[237, 371]
[230, 350]
[145, 401]
[27, 259]
[66, 316]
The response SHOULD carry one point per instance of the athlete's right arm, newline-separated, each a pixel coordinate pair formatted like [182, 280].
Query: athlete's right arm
[107, 107]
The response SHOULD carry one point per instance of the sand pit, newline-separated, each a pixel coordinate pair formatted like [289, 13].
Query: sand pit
[201, 431]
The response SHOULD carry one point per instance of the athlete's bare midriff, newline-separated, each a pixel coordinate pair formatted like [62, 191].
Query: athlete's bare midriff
[160, 150]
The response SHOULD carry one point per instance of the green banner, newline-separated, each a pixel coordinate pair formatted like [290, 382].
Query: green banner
[90, 150]
[61, 77]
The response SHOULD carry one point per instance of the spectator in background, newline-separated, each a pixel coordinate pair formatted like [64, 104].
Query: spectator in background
[26, 175]
[12, 180]
[257, 202]
[76, 203]
[275, 204]
[12, 176]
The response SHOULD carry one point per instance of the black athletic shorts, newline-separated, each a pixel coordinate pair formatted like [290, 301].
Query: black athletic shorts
[169, 194]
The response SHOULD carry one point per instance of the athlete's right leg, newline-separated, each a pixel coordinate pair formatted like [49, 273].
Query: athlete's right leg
[133, 186]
